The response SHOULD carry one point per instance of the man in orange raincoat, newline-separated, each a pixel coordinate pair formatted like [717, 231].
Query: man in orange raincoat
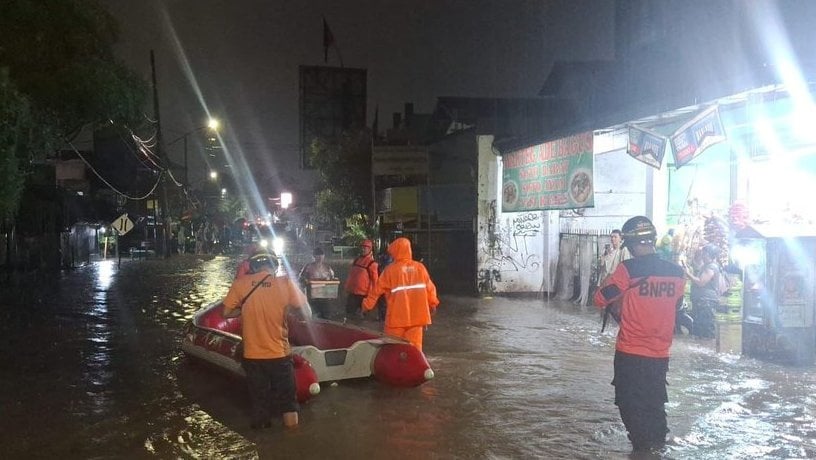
[410, 295]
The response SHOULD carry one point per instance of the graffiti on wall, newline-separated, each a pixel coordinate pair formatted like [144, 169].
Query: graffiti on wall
[510, 246]
[487, 280]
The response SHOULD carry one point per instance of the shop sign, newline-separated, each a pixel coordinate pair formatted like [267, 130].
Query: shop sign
[553, 175]
[646, 146]
[700, 133]
[399, 161]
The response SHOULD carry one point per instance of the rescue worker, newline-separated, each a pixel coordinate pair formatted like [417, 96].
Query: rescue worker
[244, 268]
[263, 301]
[410, 295]
[362, 278]
[643, 294]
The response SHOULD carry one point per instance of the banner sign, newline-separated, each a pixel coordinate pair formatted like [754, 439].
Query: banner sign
[700, 133]
[646, 146]
[399, 161]
[553, 175]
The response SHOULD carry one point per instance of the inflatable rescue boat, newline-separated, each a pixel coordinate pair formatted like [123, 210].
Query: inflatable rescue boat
[323, 351]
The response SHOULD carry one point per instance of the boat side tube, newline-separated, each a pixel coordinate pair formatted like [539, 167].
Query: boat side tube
[223, 350]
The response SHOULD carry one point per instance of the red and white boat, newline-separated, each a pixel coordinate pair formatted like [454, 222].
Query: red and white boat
[323, 351]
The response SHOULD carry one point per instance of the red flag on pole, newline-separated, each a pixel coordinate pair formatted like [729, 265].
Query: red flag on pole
[328, 40]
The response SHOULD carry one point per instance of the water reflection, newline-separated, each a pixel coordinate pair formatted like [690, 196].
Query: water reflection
[96, 355]
[98, 372]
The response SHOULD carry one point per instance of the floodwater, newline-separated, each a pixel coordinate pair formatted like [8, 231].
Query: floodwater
[91, 368]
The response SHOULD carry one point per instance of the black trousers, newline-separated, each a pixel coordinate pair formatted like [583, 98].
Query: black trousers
[702, 311]
[640, 394]
[271, 387]
[320, 307]
[354, 303]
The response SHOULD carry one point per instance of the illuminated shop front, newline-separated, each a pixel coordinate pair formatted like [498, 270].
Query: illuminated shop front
[749, 192]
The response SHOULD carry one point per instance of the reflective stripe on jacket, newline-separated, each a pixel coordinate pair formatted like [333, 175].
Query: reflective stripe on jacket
[409, 292]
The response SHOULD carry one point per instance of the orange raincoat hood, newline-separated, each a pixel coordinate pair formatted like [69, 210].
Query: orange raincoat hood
[400, 249]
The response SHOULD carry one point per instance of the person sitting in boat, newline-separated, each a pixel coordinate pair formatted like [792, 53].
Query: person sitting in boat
[263, 301]
[317, 270]
[362, 278]
[410, 295]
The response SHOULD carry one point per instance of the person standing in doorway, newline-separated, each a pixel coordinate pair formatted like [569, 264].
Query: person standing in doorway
[263, 301]
[362, 278]
[612, 256]
[642, 294]
[410, 295]
[317, 270]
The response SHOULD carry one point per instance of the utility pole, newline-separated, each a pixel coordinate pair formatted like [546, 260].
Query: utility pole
[186, 175]
[161, 233]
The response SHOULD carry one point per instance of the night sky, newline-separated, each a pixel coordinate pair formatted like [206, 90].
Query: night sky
[243, 56]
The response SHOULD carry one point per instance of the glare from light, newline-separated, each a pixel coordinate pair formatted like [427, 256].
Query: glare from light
[285, 199]
[223, 192]
[746, 256]
[263, 242]
[102, 229]
[213, 175]
[213, 124]
[768, 21]
[247, 190]
[278, 245]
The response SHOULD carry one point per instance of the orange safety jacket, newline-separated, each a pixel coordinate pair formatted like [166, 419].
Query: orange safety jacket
[264, 329]
[363, 275]
[649, 290]
[410, 295]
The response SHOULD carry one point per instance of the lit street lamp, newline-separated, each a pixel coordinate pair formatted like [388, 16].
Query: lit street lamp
[212, 124]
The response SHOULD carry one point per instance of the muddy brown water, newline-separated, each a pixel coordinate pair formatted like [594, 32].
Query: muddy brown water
[91, 368]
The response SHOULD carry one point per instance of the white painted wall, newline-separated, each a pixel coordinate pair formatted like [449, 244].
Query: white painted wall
[619, 193]
[521, 247]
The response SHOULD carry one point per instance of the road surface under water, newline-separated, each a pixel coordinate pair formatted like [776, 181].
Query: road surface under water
[91, 368]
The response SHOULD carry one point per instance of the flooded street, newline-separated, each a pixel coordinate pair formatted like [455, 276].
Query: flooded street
[92, 368]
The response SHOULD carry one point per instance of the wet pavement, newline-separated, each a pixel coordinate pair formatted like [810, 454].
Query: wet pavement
[92, 368]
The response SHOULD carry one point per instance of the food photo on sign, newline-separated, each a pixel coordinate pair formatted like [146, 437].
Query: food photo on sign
[510, 194]
[580, 187]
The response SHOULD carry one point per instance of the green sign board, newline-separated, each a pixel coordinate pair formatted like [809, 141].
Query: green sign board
[553, 175]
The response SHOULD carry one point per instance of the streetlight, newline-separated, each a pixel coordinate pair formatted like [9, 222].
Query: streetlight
[213, 175]
[212, 124]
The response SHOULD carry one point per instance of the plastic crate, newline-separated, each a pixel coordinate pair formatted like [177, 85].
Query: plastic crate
[323, 289]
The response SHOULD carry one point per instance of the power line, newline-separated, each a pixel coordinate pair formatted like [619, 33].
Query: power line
[111, 186]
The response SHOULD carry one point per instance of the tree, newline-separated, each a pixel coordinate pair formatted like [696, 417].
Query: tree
[15, 122]
[58, 74]
[344, 170]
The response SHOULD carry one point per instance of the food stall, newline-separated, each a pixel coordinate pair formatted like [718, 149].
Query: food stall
[778, 292]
